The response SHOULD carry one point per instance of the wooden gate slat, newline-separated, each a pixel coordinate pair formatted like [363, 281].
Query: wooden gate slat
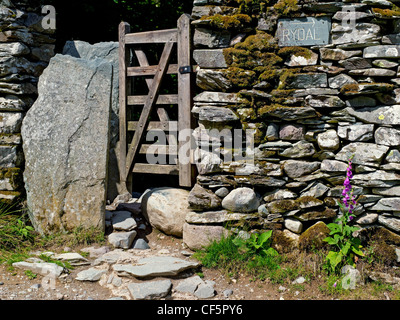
[155, 125]
[149, 70]
[162, 99]
[158, 36]
[156, 168]
[151, 98]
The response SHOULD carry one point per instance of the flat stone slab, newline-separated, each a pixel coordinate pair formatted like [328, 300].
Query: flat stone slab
[210, 217]
[155, 267]
[91, 274]
[73, 258]
[122, 220]
[42, 268]
[150, 290]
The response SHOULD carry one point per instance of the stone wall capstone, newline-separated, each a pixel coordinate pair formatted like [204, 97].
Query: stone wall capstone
[309, 106]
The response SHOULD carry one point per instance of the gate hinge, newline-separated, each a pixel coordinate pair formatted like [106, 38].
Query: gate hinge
[185, 69]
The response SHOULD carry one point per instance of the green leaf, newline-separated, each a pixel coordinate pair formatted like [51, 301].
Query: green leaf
[334, 259]
[330, 240]
[357, 251]
[346, 248]
[264, 237]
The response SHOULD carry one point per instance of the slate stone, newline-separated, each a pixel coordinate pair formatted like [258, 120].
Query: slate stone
[377, 115]
[203, 199]
[150, 290]
[189, 285]
[211, 38]
[387, 136]
[383, 51]
[340, 80]
[308, 80]
[295, 168]
[361, 101]
[355, 63]
[299, 150]
[162, 266]
[364, 153]
[393, 156]
[391, 223]
[363, 32]
[122, 239]
[376, 179]
[215, 217]
[213, 80]
[373, 72]
[324, 101]
[387, 204]
[205, 290]
[140, 244]
[333, 166]
[210, 58]
[338, 54]
[42, 268]
[122, 220]
[356, 132]
[216, 114]
[92, 274]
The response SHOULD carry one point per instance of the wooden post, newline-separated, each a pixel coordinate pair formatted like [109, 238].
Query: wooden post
[184, 95]
[124, 58]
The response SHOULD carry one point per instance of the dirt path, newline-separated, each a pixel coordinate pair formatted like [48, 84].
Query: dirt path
[16, 285]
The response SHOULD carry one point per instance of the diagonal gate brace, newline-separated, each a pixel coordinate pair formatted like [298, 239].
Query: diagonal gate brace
[148, 106]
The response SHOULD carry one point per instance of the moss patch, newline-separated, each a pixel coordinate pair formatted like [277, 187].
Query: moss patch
[13, 174]
[313, 237]
[241, 78]
[286, 7]
[387, 13]
[234, 22]
[297, 51]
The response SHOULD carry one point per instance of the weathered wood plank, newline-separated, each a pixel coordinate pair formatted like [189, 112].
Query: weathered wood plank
[162, 99]
[124, 58]
[149, 103]
[186, 169]
[155, 168]
[159, 149]
[149, 70]
[155, 125]
[158, 36]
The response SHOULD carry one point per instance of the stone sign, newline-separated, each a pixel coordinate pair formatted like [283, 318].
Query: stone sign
[307, 31]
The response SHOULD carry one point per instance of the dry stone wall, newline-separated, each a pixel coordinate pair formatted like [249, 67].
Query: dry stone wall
[25, 50]
[310, 105]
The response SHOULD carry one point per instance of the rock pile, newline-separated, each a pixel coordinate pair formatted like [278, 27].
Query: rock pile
[309, 109]
[25, 50]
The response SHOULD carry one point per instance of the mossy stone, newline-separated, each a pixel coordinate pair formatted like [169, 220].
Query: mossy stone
[313, 237]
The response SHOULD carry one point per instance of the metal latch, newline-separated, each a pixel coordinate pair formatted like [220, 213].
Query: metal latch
[185, 69]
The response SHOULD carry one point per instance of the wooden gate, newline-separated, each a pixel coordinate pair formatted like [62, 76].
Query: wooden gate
[131, 47]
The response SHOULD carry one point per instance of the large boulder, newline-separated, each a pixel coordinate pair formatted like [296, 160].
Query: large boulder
[166, 208]
[108, 52]
[65, 141]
